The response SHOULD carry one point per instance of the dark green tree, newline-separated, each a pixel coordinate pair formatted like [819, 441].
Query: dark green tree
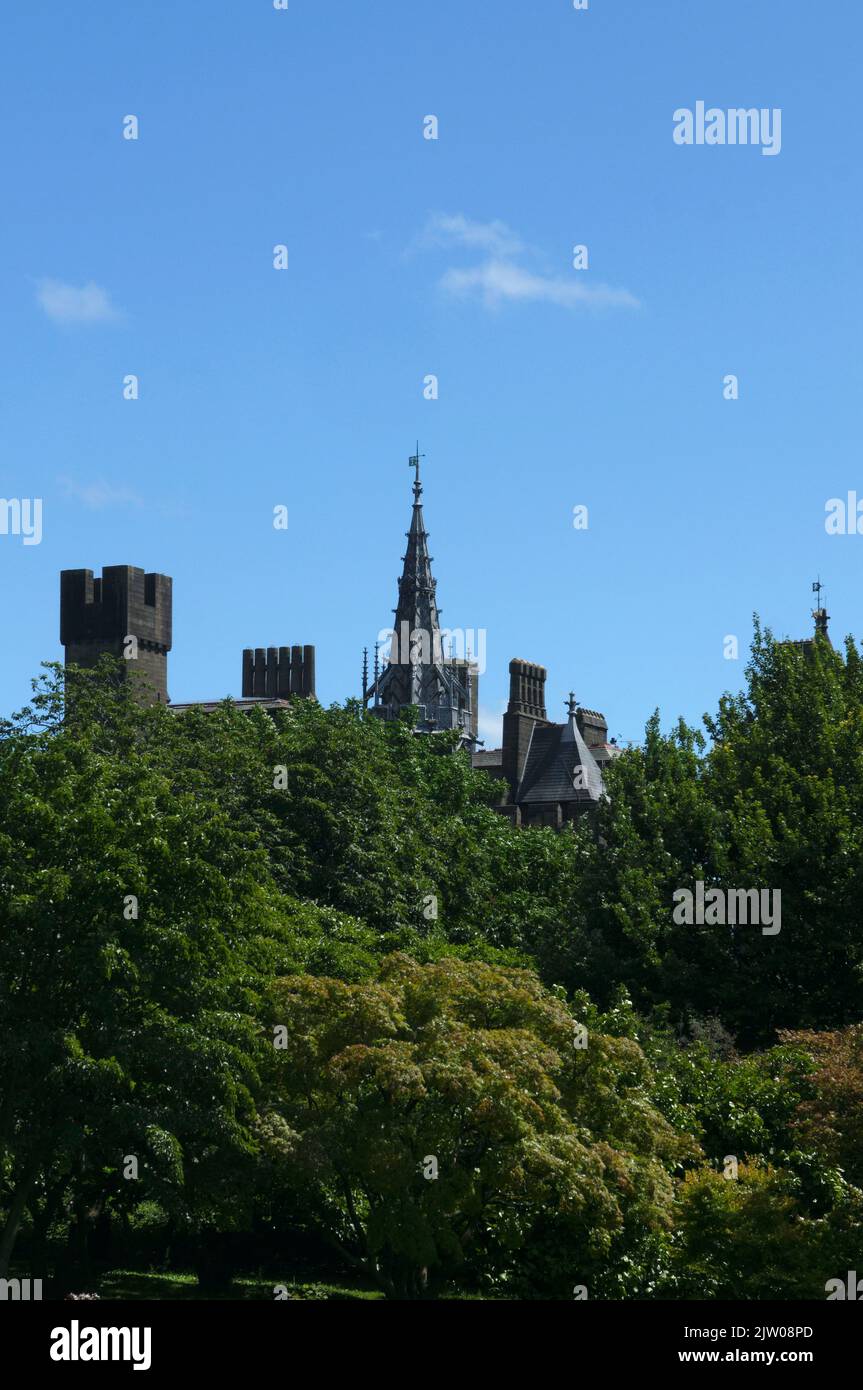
[132, 915]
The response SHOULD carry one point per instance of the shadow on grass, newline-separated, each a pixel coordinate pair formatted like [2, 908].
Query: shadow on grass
[133, 1285]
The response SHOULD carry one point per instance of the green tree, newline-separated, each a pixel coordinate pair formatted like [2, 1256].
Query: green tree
[774, 801]
[750, 1238]
[135, 918]
[441, 1119]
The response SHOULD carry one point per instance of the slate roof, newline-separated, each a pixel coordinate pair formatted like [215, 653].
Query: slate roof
[246, 703]
[556, 753]
[605, 752]
[488, 757]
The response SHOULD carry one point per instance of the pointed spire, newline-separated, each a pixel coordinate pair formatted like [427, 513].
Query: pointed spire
[419, 673]
[365, 685]
[416, 646]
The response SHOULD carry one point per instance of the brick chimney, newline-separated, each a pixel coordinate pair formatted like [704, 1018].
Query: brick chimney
[525, 710]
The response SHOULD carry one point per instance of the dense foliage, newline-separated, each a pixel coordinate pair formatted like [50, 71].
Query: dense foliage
[256, 971]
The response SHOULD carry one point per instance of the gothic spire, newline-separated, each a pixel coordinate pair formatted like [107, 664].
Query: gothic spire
[419, 672]
[417, 604]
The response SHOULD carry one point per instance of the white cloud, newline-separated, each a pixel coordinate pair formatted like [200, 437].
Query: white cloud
[68, 304]
[500, 278]
[99, 495]
[458, 230]
[497, 281]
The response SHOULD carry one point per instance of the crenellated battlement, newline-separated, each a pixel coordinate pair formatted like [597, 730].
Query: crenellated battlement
[277, 672]
[123, 601]
[100, 614]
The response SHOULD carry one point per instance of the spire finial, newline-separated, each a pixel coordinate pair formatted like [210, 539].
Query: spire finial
[820, 614]
[414, 462]
[571, 704]
[365, 698]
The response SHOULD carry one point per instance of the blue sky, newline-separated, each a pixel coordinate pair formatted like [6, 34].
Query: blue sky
[453, 256]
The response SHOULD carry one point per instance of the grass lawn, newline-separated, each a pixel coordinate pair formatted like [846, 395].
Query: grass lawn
[132, 1284]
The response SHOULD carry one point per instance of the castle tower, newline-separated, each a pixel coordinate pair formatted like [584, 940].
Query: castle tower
[419, 671]
[126, 613]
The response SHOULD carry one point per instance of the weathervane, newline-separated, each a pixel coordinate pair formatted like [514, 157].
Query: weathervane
[820, 614]
[414, 462]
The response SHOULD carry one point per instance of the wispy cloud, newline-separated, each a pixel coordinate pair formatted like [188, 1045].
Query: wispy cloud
[496, 281]
[495, 237]
[70, 304]
[499, 278]
[97, 496]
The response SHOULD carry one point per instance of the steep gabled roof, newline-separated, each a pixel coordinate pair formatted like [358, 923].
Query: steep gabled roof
[559, 767]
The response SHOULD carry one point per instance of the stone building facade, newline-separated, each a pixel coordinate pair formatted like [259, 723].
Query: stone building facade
[549, 772]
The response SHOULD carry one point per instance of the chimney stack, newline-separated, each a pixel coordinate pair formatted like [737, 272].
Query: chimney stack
[278, 672]
[525, 710]
[526, 689]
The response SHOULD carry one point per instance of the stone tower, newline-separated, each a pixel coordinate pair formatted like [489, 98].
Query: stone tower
[102, 615]
[420, 672]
